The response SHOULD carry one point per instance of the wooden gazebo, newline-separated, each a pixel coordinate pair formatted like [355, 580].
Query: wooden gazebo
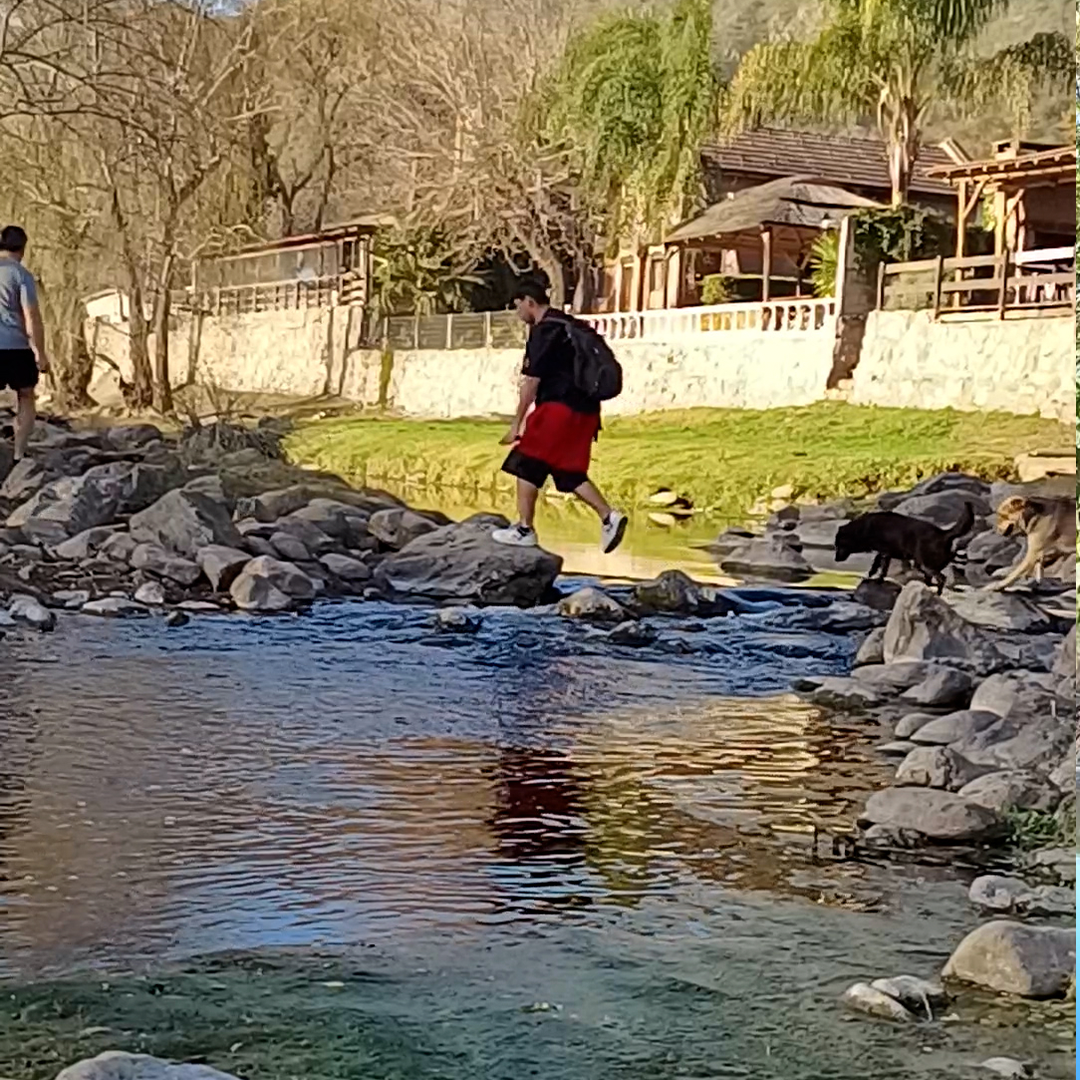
[763, 232]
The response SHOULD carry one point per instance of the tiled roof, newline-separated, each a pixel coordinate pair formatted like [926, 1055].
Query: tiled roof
[856, 161]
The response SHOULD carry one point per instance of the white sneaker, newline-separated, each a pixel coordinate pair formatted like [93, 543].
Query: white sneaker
[612, 531]
[515, 536]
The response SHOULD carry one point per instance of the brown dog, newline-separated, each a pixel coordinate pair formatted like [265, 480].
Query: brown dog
[1050, 527]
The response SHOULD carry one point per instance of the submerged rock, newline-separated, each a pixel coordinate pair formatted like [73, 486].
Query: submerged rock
[31, 612]
[593, 605]
[1013, 896]
[117, 1065]
[866, 999]
[919, 996]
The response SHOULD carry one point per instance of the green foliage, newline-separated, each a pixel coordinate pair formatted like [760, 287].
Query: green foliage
[716, 289]
[887, 62]
[899, 234]
[824, 262]
[1029, 830]
[630, 104]
[414, 273]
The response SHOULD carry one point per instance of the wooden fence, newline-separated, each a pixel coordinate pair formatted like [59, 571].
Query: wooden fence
[1038, 281]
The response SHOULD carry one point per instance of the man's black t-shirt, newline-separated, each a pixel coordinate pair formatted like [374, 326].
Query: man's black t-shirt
[549, 357]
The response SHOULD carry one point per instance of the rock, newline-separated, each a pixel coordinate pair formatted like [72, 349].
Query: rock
[897, 678]
[311, 536]
[1015, 694]
[593, 605]
[896, 748]
[462, 562]
[768, 557]
[872, 650]
[729, 540]
[1065, 662]
[938, 815]
[879, 595]
[633, 633]
[85, 544]
[114, 607]
[73, 504]
[1009, 1068]
[944, 508]
[152, 593]
[1036, 744]
[944, 688]
[1064, 776]
[818, 534]
[1013, 896]
[267, 584]
[184, 521]
[458, 620]
[71, 599]
[155, 560]
[177, 618]
[118, 547]
[221, 565]
[1057, 860]
[212, 487]
[398, 527]
[346, 568]
[844, 693]
[957, 727]
[1003, 791]
[909, 724]
[25, 477]
[1014, 958]
[865, 999]
[994, 551]
[204, 607]
[1000, 611]
[937, 767]
[115, 1065]
[288, 547]
[924, 627]
[127, 437]
[337, 519]
[672, 593]
[919, 996]
[28, 611]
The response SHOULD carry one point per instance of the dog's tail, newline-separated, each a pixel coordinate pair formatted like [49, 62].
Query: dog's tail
[963, 526]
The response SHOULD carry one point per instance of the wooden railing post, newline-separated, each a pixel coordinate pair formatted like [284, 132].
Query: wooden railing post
[488, 339]
[416, 331]
[1003, 270]
[450, 330]
[938, 268]
[881, 285]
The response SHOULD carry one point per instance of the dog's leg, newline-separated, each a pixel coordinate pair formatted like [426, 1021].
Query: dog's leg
[1024, 567]
[886, 563]
[875, 566]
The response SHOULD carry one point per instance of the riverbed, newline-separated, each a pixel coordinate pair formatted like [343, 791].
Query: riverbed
[343, 844]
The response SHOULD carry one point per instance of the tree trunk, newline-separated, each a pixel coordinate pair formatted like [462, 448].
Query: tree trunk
[142, 391]
[902, 137]
[162, 304]
[552, 266]
[71, 376]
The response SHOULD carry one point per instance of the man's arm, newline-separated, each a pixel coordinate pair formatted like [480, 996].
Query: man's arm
[35, 326]
[526, 398]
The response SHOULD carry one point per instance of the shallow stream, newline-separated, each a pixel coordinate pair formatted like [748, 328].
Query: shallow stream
[345, 845]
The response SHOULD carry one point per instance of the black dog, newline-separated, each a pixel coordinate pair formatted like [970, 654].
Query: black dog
[894, 536]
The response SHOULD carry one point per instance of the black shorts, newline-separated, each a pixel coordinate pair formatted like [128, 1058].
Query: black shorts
[537, 472]
[18, 369]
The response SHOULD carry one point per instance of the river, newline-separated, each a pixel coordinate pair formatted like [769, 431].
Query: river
[344, 845]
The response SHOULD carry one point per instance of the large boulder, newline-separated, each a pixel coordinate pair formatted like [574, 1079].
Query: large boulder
[923, 627]
[672, 593]
[1014, 958]
[937, 767]
[1000, 611]
[937, 815]
[592, 605]
[74, 503]
[184, 521]
[462, 562]
[115, 1065]
[155, 560]
[221, 565]
[398, 527]
[268, 585]
[1005, 791]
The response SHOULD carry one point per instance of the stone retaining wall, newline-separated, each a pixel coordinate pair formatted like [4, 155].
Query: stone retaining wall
[1020, 366]
[907, 359]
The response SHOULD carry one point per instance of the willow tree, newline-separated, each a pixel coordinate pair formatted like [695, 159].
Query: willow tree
[629, 105]
[890, 62]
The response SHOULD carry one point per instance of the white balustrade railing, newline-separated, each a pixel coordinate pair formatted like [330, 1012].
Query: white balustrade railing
[667, 324]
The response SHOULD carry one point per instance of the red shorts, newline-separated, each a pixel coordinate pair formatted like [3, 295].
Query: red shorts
[557, 442]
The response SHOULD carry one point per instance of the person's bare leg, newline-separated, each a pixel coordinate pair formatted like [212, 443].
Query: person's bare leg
[527, 496]
[590, 495]
[24, 421]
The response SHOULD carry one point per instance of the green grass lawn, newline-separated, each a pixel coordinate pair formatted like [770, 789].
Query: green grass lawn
[723, 459]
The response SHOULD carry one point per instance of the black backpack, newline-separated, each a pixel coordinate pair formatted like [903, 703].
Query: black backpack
[597, 374]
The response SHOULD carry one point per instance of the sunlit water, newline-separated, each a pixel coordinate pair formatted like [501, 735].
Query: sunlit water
[554, 857]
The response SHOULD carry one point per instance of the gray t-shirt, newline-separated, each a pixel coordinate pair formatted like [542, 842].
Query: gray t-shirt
[17, 289]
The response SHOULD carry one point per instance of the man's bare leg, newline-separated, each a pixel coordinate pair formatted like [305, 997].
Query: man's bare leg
[527, 496]
[590, 495]
[24, 421]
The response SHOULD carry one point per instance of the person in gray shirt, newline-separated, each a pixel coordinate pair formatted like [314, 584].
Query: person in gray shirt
[22, 333]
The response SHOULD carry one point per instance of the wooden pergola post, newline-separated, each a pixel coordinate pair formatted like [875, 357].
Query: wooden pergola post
[766, 262]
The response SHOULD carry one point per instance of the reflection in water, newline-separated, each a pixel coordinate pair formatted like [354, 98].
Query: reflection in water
[521, 816]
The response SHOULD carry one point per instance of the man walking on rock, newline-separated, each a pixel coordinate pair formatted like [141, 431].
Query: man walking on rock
[22, 334]
[555, 438]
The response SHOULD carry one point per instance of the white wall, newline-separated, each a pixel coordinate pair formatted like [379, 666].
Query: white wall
[1023, 366]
